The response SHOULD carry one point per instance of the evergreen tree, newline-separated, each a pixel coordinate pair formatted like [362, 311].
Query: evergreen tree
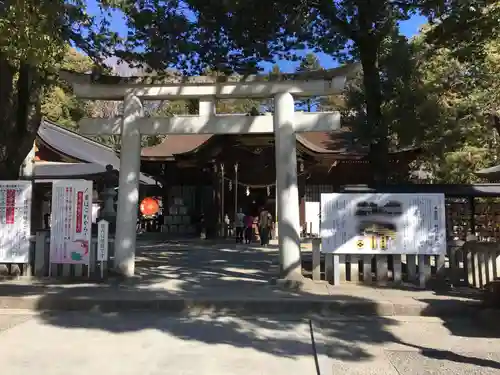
[309, 63]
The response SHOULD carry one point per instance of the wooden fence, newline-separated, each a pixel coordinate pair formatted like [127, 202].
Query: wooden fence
[468, 263]
[41, 267]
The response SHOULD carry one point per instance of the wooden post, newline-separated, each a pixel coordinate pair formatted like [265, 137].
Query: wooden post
[367, 269]
[329, 268]
[424, 270]
[354, 268]
[396, 270]
[41, 261]
[235, 190]
[222, 209]
[316, 259]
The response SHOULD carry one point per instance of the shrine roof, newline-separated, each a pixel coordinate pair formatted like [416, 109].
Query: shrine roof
[339, 142]
[80, 148]
[491, 173]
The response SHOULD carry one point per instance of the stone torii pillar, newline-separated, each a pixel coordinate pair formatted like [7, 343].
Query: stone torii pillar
[128, 190]
[285, 123]
[287, 188]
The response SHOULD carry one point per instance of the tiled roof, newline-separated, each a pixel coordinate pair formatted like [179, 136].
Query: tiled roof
[340, 141]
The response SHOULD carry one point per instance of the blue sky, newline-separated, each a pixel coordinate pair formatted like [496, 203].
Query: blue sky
[408, 28]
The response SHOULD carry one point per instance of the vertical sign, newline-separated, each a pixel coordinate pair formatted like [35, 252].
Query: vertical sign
[15, 220]
[71, 222]
[102, 241]
[383, 223]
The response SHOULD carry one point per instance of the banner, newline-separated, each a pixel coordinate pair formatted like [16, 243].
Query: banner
[383, 223]
[71, 222]
[15, 221]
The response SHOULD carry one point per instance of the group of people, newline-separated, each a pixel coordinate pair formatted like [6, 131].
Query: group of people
[244, 224]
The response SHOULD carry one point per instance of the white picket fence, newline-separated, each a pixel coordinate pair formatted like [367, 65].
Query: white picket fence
[41, 267]
[469, 263]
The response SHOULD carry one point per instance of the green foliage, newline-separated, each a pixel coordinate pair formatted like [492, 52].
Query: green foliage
[237, 35]
[59, 104]
[437, 100]
[309, 63]
[464, 27]
[34, 36]
[467, 91]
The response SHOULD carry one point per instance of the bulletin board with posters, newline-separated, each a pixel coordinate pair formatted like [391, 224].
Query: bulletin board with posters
[15, 221]
[383, 223]
[71, 222]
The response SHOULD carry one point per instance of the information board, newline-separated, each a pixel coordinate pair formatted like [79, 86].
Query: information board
[71, 223]
[15, 221]
[383, 223]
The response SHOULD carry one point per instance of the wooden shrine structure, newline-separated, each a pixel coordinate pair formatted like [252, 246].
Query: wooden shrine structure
[214, 175]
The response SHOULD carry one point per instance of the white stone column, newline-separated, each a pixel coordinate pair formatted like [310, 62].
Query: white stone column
[206, 106]
[287, 189]
[128, 190]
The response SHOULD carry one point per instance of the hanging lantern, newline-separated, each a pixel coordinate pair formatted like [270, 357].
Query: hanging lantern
[230, 185]
[248, 191]
[301, 166]
[268, 191]
[149, 206]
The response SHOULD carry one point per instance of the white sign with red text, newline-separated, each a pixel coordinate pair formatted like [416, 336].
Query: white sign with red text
[71, 222]
[15, 220]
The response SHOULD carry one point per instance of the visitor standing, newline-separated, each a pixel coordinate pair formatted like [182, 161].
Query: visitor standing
[239, 225]
[227, 225]
[248, 228]
[265, 223]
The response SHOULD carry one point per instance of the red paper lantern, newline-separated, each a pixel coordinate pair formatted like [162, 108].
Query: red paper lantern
[149, 206]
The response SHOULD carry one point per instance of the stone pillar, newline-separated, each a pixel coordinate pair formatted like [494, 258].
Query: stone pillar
[288, 195]
[107, 196]
[128, 190]
[206, 106]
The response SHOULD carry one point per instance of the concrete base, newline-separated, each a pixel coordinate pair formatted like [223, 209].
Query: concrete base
[123, 300]
[288, 284]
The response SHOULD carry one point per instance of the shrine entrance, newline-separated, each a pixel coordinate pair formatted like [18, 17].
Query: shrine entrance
[284, 123]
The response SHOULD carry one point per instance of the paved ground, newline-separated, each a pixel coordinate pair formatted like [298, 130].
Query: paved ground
[189, 276]
[147, 344]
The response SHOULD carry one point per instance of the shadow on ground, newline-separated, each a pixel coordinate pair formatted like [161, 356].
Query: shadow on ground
[179, 275]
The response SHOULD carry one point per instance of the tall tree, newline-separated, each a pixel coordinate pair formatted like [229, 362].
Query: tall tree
[33, 43]
[436, 99]
[233, 34]
[464, 26]
[309, 63]
[58, 102]
[467, 90]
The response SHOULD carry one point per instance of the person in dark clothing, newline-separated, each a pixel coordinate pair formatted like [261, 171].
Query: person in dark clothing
[239, 224]
[265, 223]
[248, 221]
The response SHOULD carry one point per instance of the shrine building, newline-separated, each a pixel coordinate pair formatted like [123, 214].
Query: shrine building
[215, 175]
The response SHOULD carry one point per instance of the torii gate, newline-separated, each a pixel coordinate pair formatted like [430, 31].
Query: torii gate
[285, 123]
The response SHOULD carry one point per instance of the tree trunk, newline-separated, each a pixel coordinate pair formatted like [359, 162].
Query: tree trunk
[20, 115]
[379, 145]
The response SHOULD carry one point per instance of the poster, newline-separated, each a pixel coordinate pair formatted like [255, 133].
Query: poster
[71, 222]
[383, 223]
[15, 221]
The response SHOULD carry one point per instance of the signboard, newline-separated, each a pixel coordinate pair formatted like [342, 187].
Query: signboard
[15, 221]
[102, 241]
[71, 222]
[383, 223]
[312, 217]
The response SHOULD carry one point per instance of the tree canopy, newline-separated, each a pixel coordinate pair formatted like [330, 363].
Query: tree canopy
[237, 35]
[34, 38]
[435, 91]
